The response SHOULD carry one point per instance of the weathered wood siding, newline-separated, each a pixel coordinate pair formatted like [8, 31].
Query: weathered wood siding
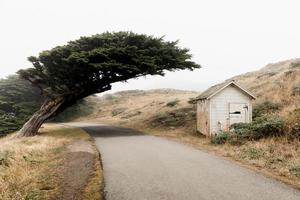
[203, 117]
[219, 107]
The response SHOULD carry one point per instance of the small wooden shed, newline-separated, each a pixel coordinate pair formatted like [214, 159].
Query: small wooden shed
[221, 106]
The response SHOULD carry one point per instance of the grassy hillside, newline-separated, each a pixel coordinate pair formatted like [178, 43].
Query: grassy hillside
[278, 82]
[167, 113]
[277, 87]
[163, 109]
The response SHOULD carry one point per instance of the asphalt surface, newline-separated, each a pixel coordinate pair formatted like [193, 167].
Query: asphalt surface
[143, 167]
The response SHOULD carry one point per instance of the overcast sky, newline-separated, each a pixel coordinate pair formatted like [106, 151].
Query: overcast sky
[226, 37]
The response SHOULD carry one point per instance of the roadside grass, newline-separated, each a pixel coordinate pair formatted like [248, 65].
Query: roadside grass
[278, 156]
[30, 167]
[95, 186]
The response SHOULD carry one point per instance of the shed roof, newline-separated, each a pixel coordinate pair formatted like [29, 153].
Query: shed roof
[212, 91]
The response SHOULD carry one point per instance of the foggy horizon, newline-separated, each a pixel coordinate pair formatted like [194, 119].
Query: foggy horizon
[225, 38]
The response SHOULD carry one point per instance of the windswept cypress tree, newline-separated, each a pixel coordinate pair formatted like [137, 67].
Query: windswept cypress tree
[90, 65]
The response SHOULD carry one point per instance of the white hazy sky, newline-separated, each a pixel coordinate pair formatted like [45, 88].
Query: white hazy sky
[226, 37]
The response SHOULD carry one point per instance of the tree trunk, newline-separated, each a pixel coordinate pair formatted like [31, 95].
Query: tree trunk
[48, 109]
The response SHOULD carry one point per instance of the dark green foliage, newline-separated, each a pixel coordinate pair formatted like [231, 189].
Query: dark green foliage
[172, 103]
[4, 158]
[267, 126]
[295, 169]
[91, 64]
[262, 127]
[295, 132]
[265, 108]
[175, 118]
[240, 132]
[18, 101]
[289, 73]
[220, 138]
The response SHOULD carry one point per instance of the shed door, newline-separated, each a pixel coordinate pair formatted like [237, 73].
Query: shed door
[238, 112]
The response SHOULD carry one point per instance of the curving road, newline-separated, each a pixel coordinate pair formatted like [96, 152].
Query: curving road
[143, 167]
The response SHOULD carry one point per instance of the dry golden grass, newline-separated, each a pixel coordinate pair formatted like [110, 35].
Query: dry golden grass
[29, 167]
[138, 106]
[276, 157]
[275, 83]
[95, 186]
[26, 170]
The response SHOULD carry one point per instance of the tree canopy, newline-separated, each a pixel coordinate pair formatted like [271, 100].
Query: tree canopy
[93, 63]
[90, 65]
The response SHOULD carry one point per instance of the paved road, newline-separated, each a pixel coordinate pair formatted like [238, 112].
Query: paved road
[143, 167]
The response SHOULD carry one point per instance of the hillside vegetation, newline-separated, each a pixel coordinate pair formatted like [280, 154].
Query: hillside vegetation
[265, 145]
[18, 101]
[277, 87]
[161, 109]
[278, 83]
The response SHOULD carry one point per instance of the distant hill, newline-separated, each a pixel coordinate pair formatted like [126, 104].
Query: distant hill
[160, 108]
[276, 82]
[169, 108]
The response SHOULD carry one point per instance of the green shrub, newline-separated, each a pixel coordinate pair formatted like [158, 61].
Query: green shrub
[265, 126]
[295, 132]
[288, 73]
[295, 169]
[242, 129]
[175, 118]
[172, 103]
[294, 65]
[118, 111]
[265, 108]
[220, 138]
[4, 158]
[296, 90]
[240, 126]
[168, 119]
[271, 125]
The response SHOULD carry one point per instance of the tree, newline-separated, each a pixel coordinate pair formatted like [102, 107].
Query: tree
[90, 65]
[18, 101]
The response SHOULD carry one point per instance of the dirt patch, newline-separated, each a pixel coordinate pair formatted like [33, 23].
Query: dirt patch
[77, 167]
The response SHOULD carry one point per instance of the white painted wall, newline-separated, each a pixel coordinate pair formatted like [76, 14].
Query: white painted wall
[203, 116]
[219, 107]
